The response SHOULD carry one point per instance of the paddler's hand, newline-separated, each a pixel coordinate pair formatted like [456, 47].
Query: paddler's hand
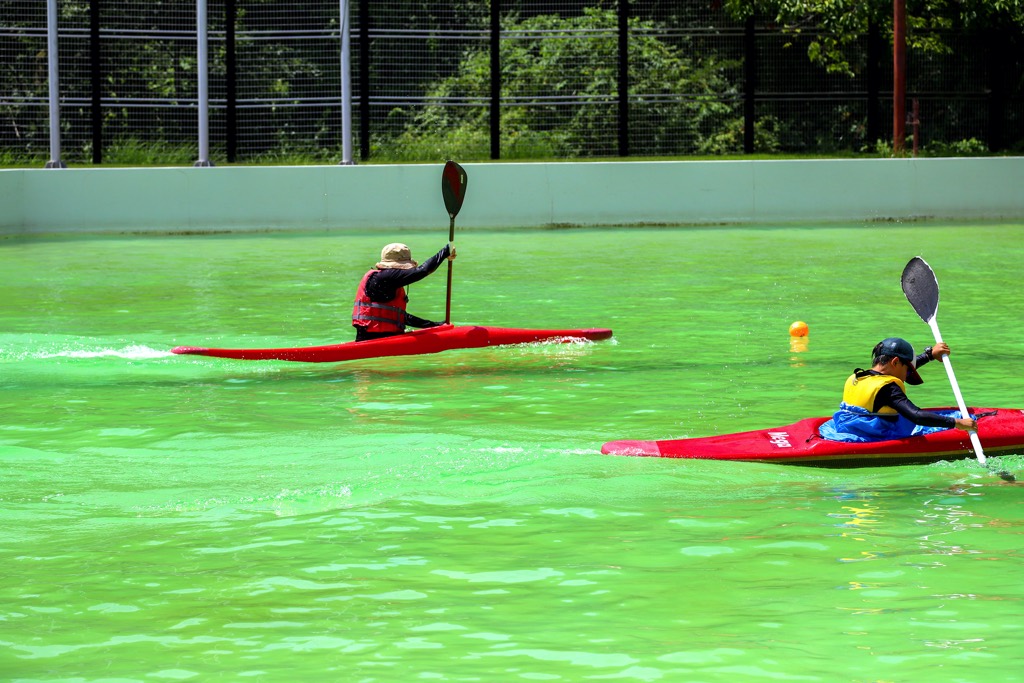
[451, 256]
[968, 425]
[940, 350]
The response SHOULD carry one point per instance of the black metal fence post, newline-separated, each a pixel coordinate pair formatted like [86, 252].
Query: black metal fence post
[749, 84]
[364, 79]
[623, 78]
[495, 79]
[230, 81]
[96, 81]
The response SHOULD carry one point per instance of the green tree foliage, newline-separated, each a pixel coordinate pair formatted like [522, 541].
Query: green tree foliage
[676, 97]
[838, 25]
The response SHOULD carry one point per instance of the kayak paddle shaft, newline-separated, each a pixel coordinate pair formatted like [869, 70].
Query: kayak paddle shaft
[975, 441]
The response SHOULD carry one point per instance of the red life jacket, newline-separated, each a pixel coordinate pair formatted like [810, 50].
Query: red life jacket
[376, 317]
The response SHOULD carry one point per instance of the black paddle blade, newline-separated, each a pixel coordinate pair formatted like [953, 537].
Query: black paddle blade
[453, 187]
[921, 288]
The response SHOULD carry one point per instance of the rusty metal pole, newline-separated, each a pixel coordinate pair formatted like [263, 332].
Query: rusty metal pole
[899, 75]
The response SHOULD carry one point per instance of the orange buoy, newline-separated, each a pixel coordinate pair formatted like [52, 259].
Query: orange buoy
[798, 329]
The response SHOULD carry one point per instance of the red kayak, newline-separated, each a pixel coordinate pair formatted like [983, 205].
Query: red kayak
[1001, 431]
[430, 340]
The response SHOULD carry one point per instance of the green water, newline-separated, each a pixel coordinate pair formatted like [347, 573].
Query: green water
[450, 517]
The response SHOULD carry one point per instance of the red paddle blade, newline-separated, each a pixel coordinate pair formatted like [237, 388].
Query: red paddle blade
[453, 187]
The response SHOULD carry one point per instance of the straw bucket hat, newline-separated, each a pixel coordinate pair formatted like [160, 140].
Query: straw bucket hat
[396, 255]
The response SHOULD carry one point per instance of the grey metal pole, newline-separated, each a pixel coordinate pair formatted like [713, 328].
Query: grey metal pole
[54, 83]
[346, 87]
[202, 76]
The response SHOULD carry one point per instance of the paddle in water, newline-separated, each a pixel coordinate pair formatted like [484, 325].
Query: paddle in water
[453, 189]
[922, 290]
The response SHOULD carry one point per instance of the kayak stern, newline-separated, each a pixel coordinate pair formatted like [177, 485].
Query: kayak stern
[189, 350]
[638, 448]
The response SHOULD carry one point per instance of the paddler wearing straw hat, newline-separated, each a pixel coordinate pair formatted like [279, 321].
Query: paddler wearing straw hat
[381, 300]
[875, 406]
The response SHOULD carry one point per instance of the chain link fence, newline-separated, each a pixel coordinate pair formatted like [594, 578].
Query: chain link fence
[510, 79]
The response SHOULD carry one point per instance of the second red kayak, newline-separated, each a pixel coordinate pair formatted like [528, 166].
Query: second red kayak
[1001, 431]
[430, 340]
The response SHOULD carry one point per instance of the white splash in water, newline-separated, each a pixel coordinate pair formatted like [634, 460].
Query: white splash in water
[134, 352]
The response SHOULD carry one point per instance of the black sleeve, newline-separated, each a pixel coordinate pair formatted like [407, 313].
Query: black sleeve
[891, 395]
[383, 285]
[418, 322]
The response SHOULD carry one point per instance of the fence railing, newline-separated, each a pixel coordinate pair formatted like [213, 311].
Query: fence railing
[418, 80]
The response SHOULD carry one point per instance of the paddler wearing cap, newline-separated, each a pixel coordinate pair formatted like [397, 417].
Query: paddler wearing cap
[381, 300]
[875, 406]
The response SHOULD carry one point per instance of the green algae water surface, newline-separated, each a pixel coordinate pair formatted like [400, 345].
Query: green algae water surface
[450, 517]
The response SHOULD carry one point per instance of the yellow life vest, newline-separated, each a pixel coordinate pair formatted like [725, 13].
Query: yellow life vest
[861, 389]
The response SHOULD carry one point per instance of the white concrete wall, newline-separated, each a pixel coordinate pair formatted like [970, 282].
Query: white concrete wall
[509, 194]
